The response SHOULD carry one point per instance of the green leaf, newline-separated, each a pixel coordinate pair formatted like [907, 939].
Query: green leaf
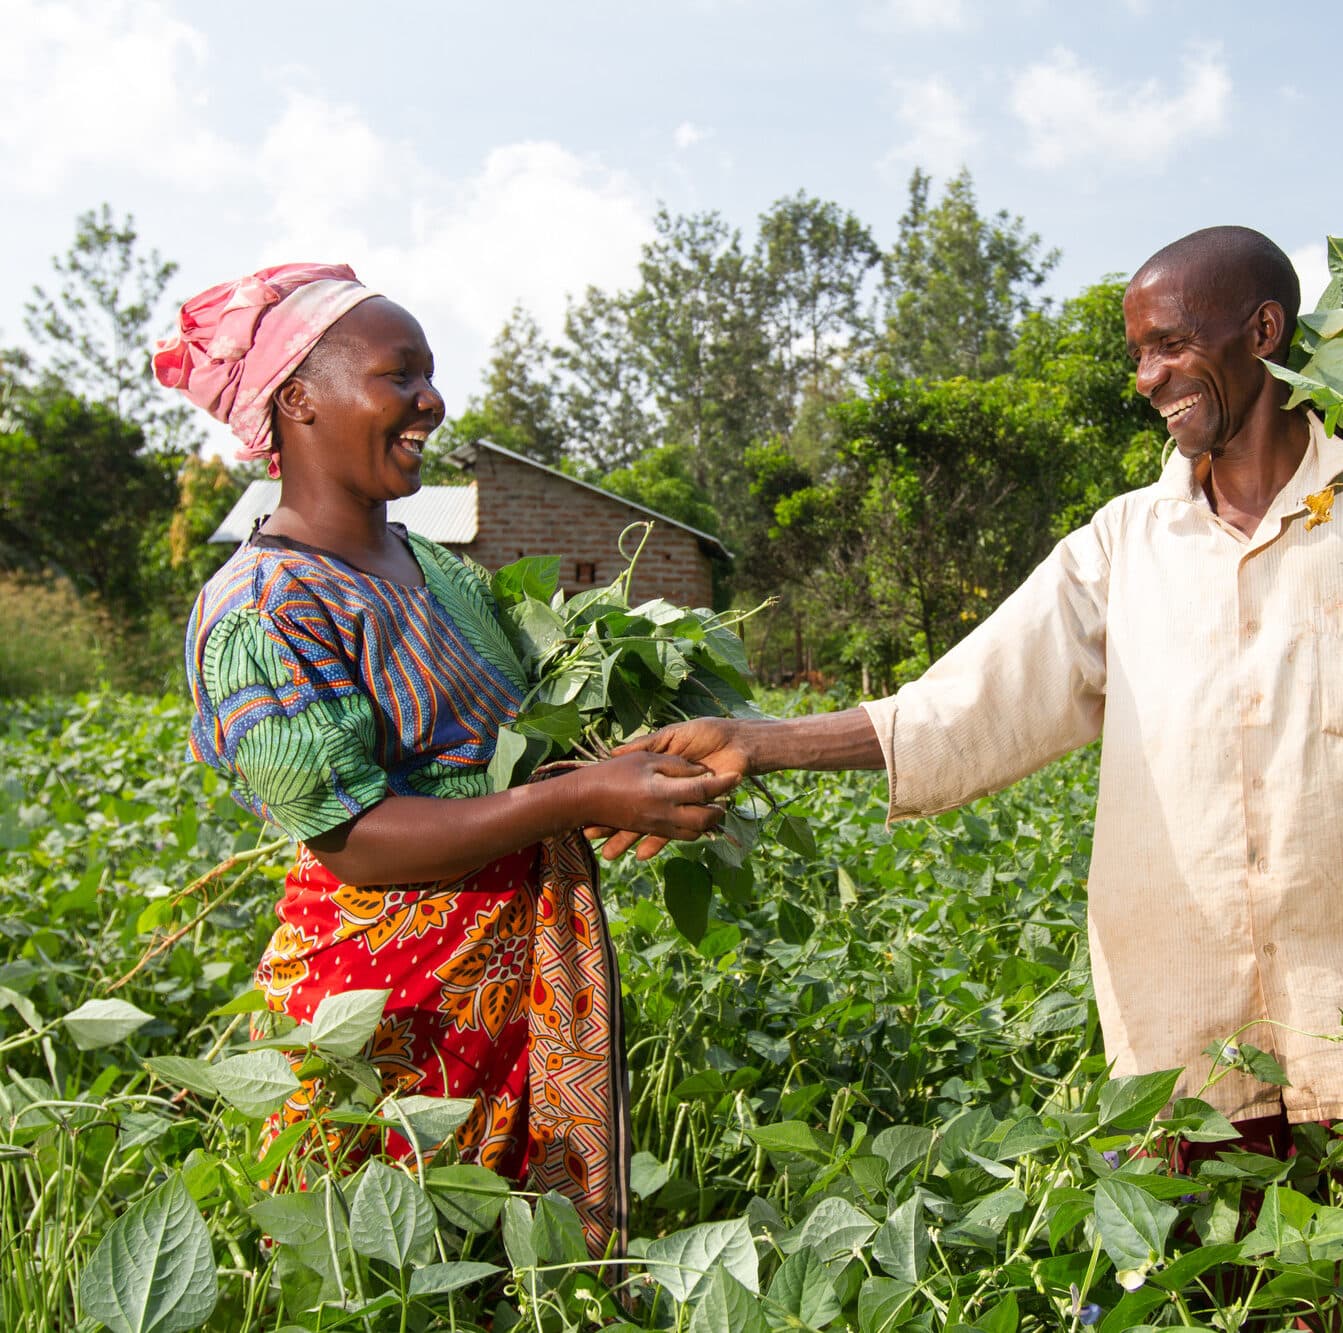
[1176, 1276]
[469, 1196]
[184, 1072]
[557, 1233]
[795, 834]
[517, 1229]
[725, 1306]
[432, 1120]
[298, 1219]
[882, 1302]
[153, 1270]
[802, 1288]
[903, 1146]
[509, 749]
[848, 888]
[795, 923]
[688, 891]
[1133, 1225]
[833, 1229]
[789, 1136]
[647, 1174]
[1263, 1066]
[535, 576]
[439, 1279]
[344, 1021]
[1003, 1318]
[248, 1002]
[391, 1217]
[1325, 323]
[1134, 1101]
[256, 1082]
[536, 629]
[98, 1023]
[681, 1262]
[901, 1246]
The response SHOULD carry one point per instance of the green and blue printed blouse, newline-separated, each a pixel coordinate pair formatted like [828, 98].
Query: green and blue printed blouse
[320, 689]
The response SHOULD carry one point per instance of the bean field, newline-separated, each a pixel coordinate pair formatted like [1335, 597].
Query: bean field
[869, 1095]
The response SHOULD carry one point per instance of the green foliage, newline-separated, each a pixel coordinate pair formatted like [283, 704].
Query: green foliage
[52, 640]
[1314, 371]
[895, 1118]
[97, 328]
[77, 492]
[660, 480]
[957, 283]
[601, 671]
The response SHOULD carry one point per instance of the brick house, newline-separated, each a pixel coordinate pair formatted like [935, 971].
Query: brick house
[514, 506]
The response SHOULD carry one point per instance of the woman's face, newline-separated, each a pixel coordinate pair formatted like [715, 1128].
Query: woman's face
[370, 384]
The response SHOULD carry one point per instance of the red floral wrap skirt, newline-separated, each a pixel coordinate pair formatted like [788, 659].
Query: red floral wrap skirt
[504, 989]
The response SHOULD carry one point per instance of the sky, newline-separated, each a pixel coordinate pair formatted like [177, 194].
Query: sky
[467, 157]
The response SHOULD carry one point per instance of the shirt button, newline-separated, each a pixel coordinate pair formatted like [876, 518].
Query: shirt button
[1270, 949]
[1262, 865]
[1258, 784]
[1251, 628]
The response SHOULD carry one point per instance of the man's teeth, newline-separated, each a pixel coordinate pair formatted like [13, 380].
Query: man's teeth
[1182, 405]
[412, 440]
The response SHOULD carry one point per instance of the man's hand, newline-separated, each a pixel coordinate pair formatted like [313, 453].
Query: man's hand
[721, 745]
[724, 745]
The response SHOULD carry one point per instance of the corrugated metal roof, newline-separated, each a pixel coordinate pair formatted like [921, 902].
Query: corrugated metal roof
[444, 514]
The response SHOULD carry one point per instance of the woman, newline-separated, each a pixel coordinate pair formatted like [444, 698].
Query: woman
[350, 679]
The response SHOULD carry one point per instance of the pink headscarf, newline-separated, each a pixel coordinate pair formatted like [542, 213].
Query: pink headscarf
[237, 343]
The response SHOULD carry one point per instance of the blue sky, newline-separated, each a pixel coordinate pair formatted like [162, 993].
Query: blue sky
[464, 157]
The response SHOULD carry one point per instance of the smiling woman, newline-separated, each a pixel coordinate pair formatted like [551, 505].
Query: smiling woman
[350, 679]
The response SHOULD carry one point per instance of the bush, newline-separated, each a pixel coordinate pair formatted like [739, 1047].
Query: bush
[52, 641]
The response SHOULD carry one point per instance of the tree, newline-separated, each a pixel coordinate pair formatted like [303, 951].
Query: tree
[1115, 443]
[956, 284]
[79, 493]
[815, 260]
[696, 322]
[661, 480]
[607, 398]
[96, 328]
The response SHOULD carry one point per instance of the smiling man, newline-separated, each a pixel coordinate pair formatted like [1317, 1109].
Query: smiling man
[1197, 623]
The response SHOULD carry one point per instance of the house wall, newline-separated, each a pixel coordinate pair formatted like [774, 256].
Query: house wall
[522, 510]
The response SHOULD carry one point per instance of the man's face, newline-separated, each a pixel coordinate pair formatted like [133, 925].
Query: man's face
[1192, 349]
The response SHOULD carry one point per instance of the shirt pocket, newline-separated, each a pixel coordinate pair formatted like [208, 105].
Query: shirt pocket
[1327, 627]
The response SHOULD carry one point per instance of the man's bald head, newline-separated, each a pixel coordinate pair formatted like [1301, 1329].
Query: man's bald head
[1233, 271]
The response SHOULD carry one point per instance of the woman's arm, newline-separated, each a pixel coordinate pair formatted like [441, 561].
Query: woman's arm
[407, 839]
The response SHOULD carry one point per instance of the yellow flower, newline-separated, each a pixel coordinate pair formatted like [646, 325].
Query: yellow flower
[1321, 506]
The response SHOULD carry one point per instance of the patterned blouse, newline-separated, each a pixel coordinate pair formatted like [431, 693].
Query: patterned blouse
[319, 689]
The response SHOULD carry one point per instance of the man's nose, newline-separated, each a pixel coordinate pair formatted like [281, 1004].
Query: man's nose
[1148, 373]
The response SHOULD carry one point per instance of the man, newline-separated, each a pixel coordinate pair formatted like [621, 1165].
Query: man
[1199, 623]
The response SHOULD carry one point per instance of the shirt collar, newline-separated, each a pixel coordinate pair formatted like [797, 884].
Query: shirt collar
[1321, 465]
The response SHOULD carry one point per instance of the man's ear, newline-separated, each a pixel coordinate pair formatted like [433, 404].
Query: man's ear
[1268, 329]
[294, 402]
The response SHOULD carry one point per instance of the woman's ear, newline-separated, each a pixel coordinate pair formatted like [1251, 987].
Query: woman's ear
[293, 401]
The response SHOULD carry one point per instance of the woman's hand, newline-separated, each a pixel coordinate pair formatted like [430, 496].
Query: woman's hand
[660, 795]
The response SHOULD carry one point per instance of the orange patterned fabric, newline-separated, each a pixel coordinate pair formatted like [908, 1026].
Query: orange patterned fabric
[504, 989]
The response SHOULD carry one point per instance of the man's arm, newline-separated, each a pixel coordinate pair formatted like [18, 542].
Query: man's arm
[1026, 686]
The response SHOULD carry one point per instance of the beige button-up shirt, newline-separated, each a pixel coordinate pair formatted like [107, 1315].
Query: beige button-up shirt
[1213, 663]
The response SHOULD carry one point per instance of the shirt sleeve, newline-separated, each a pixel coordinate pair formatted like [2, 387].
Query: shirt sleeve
[1025, 687]
[279, 711]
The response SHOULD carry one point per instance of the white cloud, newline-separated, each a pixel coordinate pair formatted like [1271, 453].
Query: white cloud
[940, 133]
[925, 14]
[104, 86]
[120, 90]
[687, 134]
[1312, 267]
[1072, 116]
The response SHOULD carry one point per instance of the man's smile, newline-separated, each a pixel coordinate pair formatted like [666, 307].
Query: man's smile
[1177, 412]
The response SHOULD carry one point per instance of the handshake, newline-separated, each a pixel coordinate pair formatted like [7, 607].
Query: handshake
[667, 785]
